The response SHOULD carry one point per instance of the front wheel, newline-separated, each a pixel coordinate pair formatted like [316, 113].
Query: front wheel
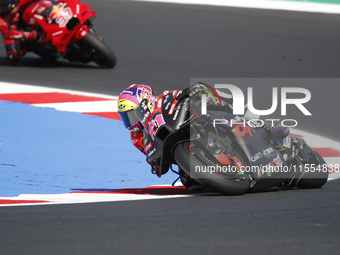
[197, 166]
[100, 53]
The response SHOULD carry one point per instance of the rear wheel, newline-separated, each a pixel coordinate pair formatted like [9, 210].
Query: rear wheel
[315, 171]
[197, 166]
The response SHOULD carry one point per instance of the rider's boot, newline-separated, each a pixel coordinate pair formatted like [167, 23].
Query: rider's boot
[189, 183]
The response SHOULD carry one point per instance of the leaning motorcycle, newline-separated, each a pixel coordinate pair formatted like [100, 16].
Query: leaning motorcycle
[230, 159]
[66, 31]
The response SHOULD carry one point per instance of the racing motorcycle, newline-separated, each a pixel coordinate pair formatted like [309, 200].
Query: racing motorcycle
[230, 159]
[66, 31]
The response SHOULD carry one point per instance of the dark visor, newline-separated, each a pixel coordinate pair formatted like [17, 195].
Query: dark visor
[129, 118]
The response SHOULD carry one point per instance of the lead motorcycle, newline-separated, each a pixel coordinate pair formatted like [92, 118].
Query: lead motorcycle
[66, 31]
[230, 159]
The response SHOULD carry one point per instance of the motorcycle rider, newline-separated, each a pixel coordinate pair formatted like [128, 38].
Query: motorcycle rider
[133, 98]
[14, 39]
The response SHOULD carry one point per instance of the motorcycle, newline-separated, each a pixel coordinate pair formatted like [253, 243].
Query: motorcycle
[66, 31]
[230, 159]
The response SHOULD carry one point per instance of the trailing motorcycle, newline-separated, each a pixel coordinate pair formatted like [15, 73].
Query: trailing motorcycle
[230, 159]
[66, 31]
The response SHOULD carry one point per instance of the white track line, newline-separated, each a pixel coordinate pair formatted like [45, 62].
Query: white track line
[77, 198]
[9, 88]
[260, 4]
[96, 106]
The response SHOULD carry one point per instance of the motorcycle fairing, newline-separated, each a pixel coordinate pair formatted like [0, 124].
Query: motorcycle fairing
[269, 167]
[163, 139]
[58, 21]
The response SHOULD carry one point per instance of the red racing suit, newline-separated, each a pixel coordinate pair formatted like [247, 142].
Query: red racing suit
[11, 35]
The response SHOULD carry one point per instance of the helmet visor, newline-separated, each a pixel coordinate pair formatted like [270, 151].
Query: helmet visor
[129, 118]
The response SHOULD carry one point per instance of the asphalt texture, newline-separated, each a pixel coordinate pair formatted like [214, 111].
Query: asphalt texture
[273, 222]
[167, 46]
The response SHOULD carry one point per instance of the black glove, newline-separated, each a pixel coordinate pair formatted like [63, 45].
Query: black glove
[192, 91]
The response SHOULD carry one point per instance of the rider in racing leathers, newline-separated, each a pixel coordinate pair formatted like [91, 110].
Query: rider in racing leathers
[10, 12]
[131, 98]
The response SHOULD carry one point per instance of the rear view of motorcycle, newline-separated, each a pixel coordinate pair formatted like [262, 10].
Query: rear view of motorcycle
[66, 31]
[228, 153]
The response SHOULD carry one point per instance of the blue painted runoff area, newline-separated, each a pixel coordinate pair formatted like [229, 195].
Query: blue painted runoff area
[45, 151]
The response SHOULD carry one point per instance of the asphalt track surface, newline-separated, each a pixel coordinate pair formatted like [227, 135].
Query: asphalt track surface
[165, 45]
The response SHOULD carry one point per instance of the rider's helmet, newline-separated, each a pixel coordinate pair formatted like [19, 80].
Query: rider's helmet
[134, 105]
[7, 6]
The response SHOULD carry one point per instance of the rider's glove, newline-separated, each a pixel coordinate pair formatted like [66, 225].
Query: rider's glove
[194, 91]
[276, 130]
[33, 35]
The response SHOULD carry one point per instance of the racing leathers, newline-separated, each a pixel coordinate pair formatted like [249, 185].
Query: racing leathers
[13, 37]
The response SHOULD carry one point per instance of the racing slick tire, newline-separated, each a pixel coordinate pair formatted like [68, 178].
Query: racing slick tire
[102, 55]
